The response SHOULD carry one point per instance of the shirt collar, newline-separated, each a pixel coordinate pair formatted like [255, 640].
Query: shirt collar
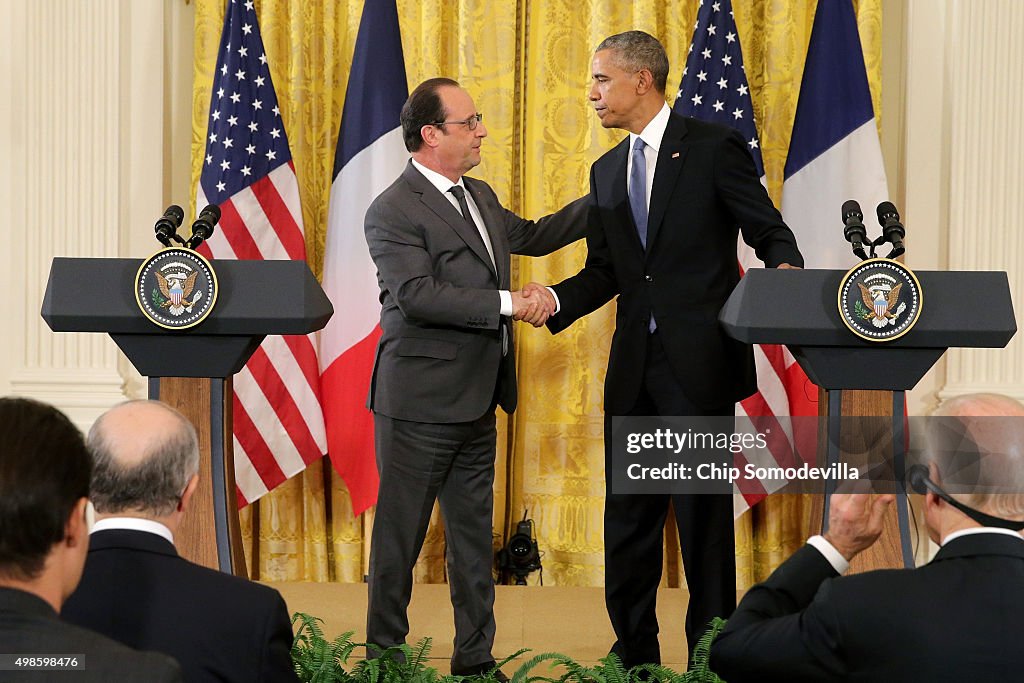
[442, 183]
[981, 530]
[654, 132]
[134, 524]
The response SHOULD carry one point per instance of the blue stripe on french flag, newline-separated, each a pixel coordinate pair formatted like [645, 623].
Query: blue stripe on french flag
[834, 153]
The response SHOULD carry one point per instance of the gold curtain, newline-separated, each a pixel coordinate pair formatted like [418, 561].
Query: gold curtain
[527, 66]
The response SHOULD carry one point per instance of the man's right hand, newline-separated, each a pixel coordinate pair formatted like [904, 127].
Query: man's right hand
[855, 521]
[533, 304]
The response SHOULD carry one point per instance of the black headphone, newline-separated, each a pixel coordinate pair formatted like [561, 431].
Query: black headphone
[920, 482]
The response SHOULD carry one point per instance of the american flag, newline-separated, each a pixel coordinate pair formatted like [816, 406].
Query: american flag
[248, 172]
[714, 88]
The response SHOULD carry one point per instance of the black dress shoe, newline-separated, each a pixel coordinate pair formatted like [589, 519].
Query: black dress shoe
[481, 670]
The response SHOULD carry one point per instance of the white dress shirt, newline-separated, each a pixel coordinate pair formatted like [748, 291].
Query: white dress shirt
[652, 135]
[134, 524]
[444, 184]
[839, 563]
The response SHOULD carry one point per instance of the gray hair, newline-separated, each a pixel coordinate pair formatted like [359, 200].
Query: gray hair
[636, 51]
[150, 484]
[977, 445]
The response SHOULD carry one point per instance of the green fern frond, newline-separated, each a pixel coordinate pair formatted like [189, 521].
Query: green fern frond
[700, 662]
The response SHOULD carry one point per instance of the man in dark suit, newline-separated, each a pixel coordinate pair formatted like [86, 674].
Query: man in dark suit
[137, 590]
[44, 519]
[667, 205]
[441, 244]
[955, 619]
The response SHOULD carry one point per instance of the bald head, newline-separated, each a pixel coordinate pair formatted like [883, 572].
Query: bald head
[981, 405]
[978, 442]
[144, 454]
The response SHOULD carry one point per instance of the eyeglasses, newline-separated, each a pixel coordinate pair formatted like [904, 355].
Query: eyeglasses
[471, 122]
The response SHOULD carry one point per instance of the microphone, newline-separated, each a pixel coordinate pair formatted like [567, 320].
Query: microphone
[203, 226]
[854, 231]
[167, 225]
[892, 229]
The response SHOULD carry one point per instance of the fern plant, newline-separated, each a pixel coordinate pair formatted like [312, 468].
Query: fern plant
[318, 660]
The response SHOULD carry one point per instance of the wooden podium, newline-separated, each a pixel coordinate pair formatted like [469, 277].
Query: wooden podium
[864, 381]
[191, 369]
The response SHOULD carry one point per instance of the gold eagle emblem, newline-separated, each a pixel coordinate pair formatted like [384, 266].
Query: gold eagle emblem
[177, 291]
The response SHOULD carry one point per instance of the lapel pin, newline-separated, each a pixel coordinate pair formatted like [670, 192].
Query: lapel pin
[675, 155]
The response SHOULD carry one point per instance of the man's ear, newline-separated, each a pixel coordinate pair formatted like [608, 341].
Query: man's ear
[430, 135]
[186, 495]
[645, 83]
[76, 528]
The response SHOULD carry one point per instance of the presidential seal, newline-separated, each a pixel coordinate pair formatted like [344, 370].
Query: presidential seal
[880, 299]
[176, 288]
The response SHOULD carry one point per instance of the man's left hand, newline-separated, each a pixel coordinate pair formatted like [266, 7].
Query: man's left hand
[855, 521]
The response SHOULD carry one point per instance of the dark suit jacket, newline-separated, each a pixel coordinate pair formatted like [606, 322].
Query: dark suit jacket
[955, 619]
[137, 590]
[705, 190]
[28, 625]
[440, 353]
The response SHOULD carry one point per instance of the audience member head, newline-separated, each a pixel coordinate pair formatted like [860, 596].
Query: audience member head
[976, 454]
[44, 488]
[145, 462]
[629, 76]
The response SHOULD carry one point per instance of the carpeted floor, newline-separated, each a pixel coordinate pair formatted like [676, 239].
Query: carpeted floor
[571, 621]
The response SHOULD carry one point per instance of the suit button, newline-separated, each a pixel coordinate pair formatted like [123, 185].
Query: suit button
[648, 278]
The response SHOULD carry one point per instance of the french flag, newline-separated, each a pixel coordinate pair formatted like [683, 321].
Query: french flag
[369, 157]
[834, 153]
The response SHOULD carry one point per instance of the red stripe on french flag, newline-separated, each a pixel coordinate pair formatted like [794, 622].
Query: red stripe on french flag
[345, 384]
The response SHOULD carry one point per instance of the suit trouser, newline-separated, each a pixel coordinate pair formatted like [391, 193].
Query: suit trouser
[634, 536]
[418, 463]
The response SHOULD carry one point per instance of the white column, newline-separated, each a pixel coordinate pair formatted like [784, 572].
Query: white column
[82, 173]
[986, 174]
[961, 168]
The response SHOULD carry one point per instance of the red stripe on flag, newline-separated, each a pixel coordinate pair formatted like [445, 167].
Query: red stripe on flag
[301, 347]
[773, 352]
[764, 422]
[801, 391]
[281, 400]
[281, 219]
[349, 423]
[752, 489]
[236, 232]
[255, 447]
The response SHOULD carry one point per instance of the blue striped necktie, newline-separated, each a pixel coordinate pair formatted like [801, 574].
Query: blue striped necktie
[638, 190]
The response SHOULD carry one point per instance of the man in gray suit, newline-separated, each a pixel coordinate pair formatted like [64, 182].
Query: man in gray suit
[441, 243]
[44, 536]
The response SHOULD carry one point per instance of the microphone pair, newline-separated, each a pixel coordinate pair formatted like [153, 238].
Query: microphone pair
[856, 234]
[166, 227]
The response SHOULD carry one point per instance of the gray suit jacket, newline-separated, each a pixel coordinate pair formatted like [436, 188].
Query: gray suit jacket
[28, 625]
[440, 357]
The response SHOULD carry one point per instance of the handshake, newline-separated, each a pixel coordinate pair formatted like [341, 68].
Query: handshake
[533, 304]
